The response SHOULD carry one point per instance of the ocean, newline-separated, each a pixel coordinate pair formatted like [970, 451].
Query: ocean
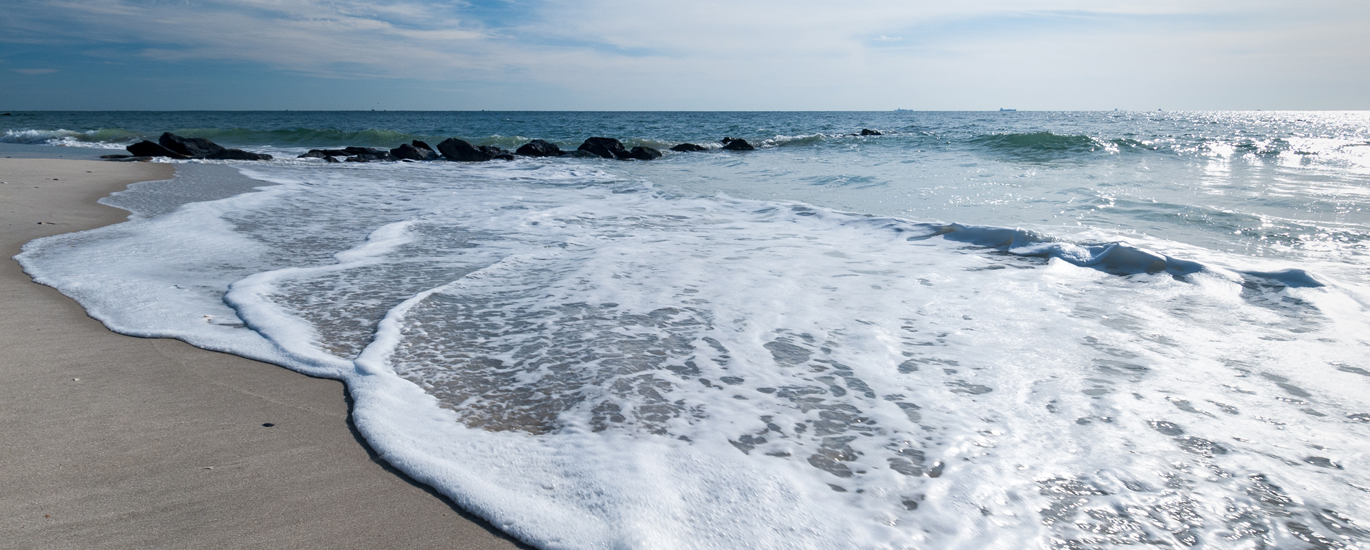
[975, 330]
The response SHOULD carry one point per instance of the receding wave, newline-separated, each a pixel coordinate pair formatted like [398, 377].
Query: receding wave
[1115, 258]
[796, 141]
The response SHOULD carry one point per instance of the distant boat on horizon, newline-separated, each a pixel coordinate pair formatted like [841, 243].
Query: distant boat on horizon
[897, 110]
[1003, 110]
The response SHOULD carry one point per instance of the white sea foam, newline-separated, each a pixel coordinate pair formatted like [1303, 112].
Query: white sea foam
[591, 362]
[97, 139]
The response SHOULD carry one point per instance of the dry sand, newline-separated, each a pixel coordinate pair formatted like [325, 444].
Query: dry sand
[109, 441]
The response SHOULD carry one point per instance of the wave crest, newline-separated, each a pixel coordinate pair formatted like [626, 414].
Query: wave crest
[1041, 145]
[106, 138]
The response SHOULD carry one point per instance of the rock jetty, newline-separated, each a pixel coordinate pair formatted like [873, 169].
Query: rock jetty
[170, 145]
[173, 146]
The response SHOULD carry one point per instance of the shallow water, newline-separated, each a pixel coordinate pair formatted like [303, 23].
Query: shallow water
[1071, 329]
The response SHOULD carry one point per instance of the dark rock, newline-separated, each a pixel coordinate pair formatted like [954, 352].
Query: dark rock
[689, 148]
[331, 159]
[642, 153]
[608, 148]
[371, 151]
[870, 132]
[369, 158]
[147, 148]
[579, 154]
[421, 145]
[725, 140]
[322, 153]
[410, 152]
[738, 145]
[6, 114]
[367, 154]
[459, 150]
[539, 148]
[237, 154]
[191, 147]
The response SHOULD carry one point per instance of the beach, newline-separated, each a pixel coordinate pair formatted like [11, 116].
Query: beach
[116, 441]
[871, 330]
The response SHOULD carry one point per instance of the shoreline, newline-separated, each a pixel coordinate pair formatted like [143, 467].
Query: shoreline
[117, 441]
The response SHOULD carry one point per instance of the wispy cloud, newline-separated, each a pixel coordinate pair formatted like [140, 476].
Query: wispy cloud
[34, 71]
[756, 54]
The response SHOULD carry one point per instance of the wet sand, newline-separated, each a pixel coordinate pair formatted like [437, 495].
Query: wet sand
[111, 441]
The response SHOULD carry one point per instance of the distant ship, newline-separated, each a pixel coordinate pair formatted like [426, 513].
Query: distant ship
[1001, 109]
[903, 110]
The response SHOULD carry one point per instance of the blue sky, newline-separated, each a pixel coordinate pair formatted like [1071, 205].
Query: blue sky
[698, 55]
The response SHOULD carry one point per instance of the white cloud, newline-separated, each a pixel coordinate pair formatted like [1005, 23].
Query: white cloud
[766, 54]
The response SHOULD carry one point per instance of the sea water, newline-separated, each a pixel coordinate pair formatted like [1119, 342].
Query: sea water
[977, 330]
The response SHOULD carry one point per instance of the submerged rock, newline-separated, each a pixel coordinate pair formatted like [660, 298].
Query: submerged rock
[604, 147]
[237, 154]
[642, 153]
[689, 148]
[147, 148]
[410, 152]
[737, 145]
[372, 151]
[324, 153]
[191, 147]
[870, 132]
[539, 148]
[460, 150]
[367, 154]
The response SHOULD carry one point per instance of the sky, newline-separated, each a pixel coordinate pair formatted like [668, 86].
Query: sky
[684, 55]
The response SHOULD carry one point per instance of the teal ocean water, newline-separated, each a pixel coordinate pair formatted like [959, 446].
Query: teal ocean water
[974, 330]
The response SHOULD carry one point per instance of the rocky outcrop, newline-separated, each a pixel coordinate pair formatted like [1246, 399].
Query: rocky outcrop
[460, 150]
[409, 151]
[539, 148]
[197, 148]
[870, 132]
[642, 153]
[604, 147]
[177, 147]
[366, 151]
[324, 153]
[738, 144]
[147, 148]
[689, 148]
[578, 154]
[367, 154]
[237, 154]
